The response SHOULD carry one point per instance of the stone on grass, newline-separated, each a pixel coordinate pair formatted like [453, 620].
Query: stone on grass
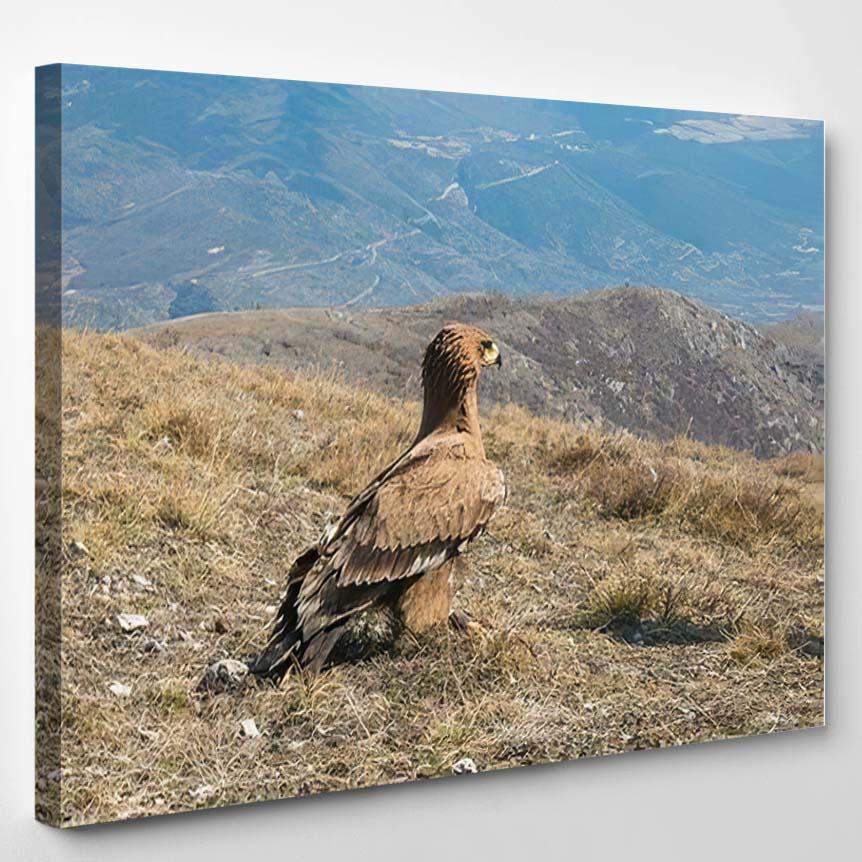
[153, 645]
[249, 728]
[78, 549]
[204, 791]
[119, 689]
[163, 444]
[132, 622]
[224, 674]
[464, 766]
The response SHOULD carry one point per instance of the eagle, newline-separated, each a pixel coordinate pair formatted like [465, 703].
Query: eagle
[395, 545]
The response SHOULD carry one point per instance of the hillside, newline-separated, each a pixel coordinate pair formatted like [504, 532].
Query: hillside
[648, 360]
[805, 332]
[191, 193]
[805, 338]
[634, 594]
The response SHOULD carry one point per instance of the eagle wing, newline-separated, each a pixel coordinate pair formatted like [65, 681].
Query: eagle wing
[409, 520]
[416, 517]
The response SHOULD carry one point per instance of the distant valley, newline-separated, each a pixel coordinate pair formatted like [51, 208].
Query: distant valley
[184, 194]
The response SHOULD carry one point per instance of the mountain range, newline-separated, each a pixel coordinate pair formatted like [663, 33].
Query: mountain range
[189, 193]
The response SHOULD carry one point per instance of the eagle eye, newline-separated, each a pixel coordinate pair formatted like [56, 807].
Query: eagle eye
[490, 353]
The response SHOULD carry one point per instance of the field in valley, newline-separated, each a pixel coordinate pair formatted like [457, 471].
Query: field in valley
[633, 593]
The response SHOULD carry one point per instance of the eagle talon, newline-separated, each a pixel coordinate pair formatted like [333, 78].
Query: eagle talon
[462, 622]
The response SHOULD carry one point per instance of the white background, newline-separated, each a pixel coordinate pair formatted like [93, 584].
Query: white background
[795, 796]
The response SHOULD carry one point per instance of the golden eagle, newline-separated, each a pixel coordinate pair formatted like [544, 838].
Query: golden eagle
[395, 544]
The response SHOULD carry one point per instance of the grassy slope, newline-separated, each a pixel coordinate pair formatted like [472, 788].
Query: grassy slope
[636, 594]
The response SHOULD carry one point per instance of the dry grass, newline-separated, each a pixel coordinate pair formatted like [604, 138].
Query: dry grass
[636, 594]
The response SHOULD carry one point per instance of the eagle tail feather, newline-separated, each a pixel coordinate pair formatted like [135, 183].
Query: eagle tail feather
[286, 639]
[319, 647]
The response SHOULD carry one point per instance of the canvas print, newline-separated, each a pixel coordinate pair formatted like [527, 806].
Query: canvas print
[385, 435]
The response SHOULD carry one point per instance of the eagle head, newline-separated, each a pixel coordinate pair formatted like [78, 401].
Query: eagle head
[450, 371]
[458, 353]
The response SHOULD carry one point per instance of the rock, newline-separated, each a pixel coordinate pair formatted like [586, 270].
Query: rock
[153, 645]
[78, 549]
[464, 766]
[249, 728]
[132, 622]
[299, 415]
[119, 689]
[224, 674]
[141, 581]
[202, 792]
[163, 444]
